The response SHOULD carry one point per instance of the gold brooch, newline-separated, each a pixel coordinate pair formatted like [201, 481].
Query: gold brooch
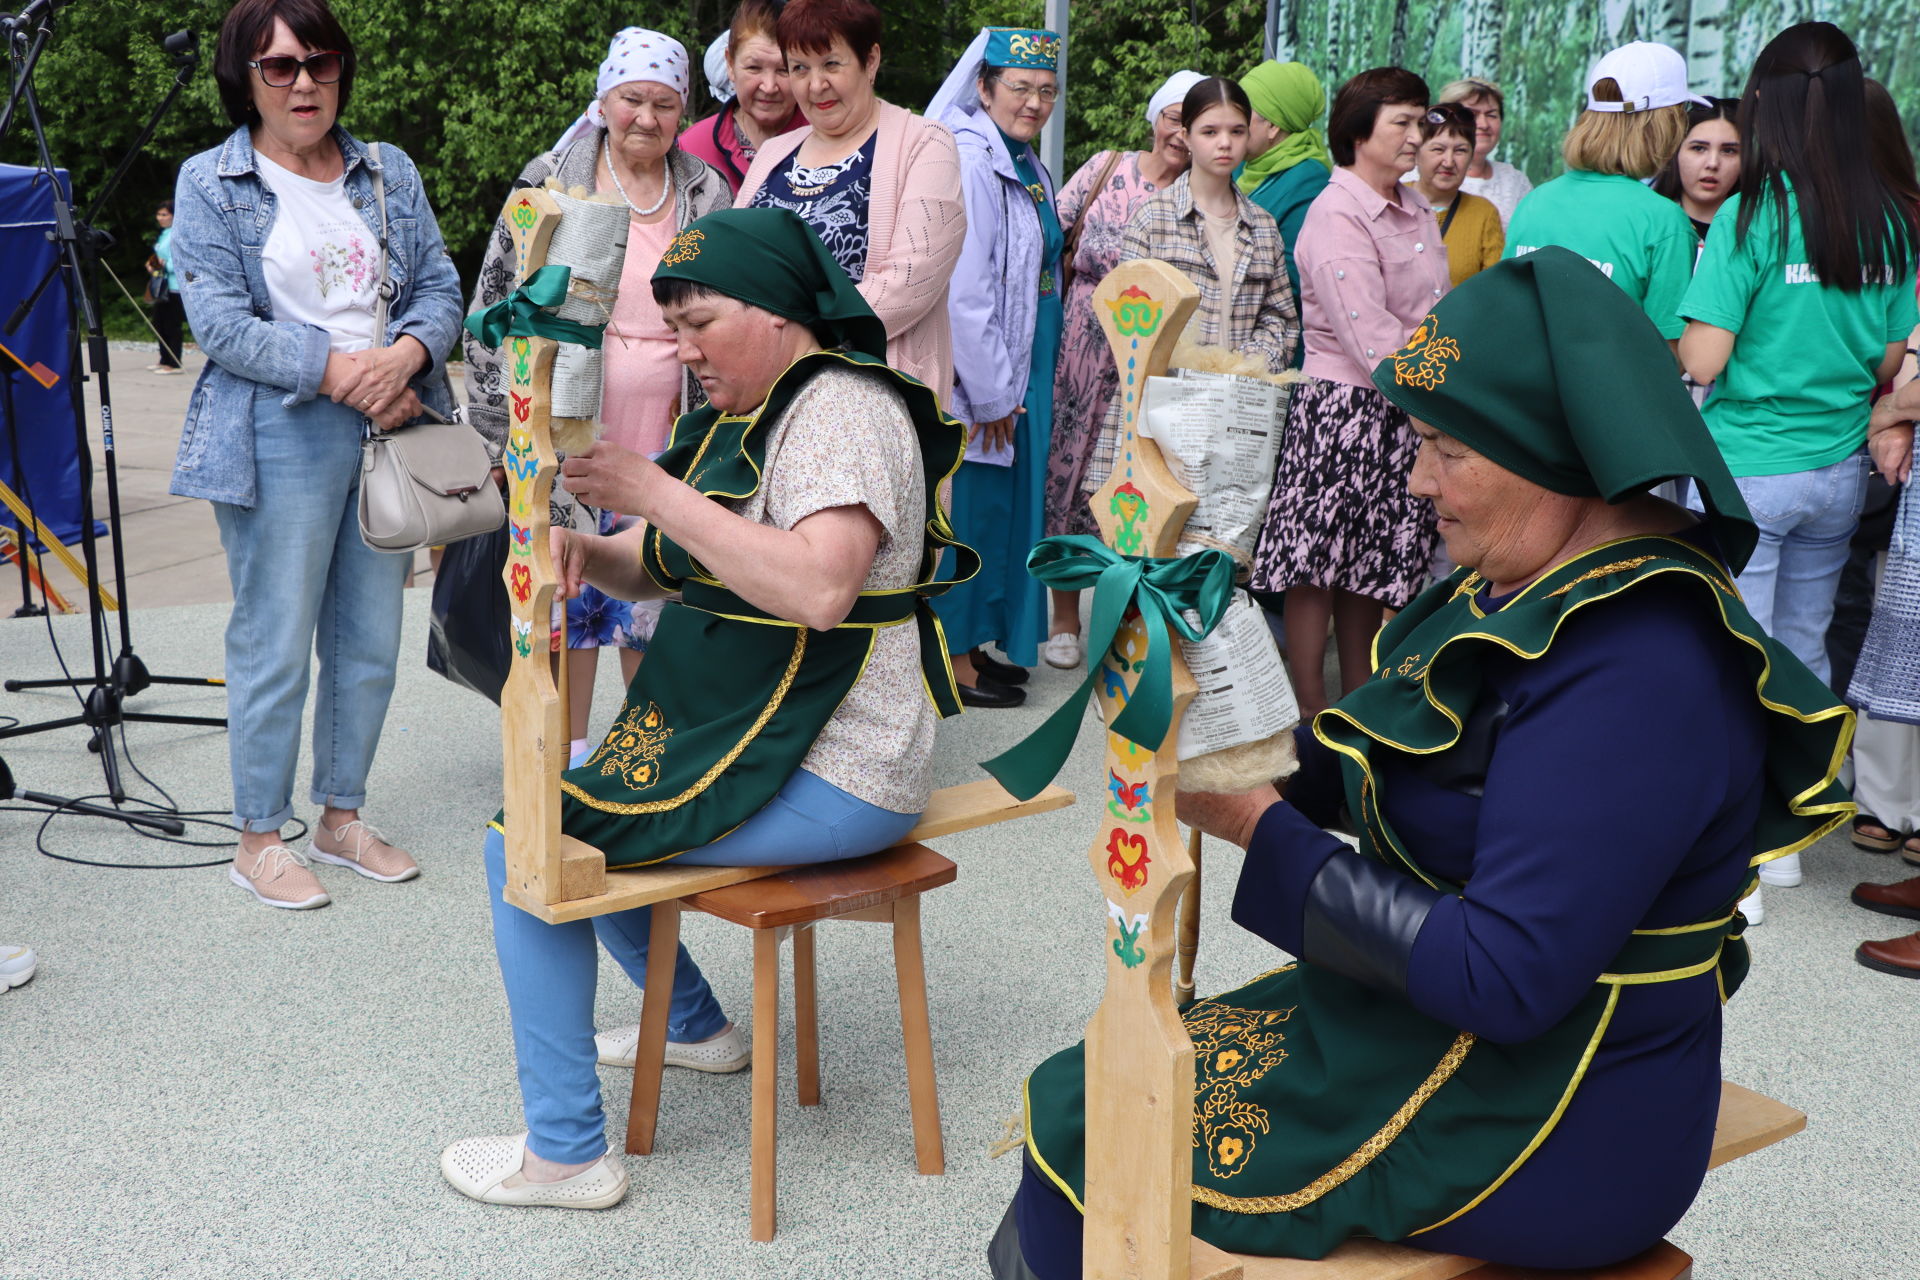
[1423, 361]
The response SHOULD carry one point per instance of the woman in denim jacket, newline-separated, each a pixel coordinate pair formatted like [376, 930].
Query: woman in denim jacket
[277, 239]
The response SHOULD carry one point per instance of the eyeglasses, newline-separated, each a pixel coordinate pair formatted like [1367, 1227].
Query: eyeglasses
[281, 70]
[1046, 93]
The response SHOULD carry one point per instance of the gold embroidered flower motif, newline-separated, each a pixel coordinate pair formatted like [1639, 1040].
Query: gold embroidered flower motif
[685, 247]
[1423, 361]
[1233, 1048]
[633, 746]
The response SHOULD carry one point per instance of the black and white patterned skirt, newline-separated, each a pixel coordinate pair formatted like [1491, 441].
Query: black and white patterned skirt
[1341, 516]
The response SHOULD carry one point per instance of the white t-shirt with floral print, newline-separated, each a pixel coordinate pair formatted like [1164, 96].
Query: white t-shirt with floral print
[322, 263]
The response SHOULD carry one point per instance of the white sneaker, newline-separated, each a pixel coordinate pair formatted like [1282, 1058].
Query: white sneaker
[1782, 872]
[488, 1170]
[17, 965]
[1750, 908]
[722, 1055]
[1064, 650]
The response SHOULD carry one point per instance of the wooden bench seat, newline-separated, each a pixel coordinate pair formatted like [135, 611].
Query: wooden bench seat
[601, 892]
[1748, 1121]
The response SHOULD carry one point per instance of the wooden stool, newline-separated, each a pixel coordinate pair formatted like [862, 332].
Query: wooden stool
[884, 886]
[1748, 1121]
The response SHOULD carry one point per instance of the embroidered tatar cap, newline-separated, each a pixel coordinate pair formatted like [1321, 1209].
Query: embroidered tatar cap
[1547, 368]
[1026, 47]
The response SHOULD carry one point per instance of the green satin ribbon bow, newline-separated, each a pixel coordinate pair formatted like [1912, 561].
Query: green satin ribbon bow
[1163, 590]
[528, 312]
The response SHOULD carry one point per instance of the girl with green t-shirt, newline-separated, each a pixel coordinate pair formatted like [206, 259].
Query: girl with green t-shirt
[1601, 207]
[1801, 306]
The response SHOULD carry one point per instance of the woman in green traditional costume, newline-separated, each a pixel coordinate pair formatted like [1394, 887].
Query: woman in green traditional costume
[1501, 1033]
[786, 710]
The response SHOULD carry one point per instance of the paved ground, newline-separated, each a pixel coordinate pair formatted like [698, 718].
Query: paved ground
[172, 548]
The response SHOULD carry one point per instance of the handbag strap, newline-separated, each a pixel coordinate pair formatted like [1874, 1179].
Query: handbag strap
[380, 198]
[1072, 243]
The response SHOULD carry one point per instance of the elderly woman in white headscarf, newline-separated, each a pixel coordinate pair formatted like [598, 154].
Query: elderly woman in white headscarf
[621, 148]
[1095, 207]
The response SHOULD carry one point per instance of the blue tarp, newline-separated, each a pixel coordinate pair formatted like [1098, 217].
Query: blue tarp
[42, 419]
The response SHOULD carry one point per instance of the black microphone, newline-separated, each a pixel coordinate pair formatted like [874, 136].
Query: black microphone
[183, 47]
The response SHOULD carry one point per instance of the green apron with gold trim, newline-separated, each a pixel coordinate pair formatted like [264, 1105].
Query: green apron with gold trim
[730, 698]
[1325, 1109]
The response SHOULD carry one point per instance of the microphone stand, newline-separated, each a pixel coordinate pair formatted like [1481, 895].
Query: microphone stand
[102, 707]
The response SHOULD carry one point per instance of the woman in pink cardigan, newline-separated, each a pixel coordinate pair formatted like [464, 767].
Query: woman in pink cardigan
[879, 184]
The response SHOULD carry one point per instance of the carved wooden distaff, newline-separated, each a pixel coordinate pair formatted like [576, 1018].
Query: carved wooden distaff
[1139, 1112]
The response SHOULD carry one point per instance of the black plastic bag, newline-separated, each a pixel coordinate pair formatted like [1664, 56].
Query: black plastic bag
[469, 643]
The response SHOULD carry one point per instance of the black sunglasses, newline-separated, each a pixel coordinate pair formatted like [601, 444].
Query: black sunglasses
[281, 70]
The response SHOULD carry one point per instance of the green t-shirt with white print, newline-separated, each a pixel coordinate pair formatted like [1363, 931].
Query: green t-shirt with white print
[1795, 393]
[1639, 239]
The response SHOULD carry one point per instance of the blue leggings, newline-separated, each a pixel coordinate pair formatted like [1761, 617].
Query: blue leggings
[550, 969]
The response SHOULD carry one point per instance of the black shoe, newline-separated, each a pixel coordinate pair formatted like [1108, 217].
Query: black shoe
[1004, 673]
[986, 694]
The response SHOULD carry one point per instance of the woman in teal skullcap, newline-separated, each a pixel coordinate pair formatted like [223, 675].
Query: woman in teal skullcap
[786, 709]
[1007, 316]
[1501, 1034]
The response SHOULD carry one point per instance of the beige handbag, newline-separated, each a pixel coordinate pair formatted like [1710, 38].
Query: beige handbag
[426, 484]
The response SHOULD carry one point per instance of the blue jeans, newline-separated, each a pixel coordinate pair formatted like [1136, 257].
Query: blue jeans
[1806, 519]
[303, 582]
[550, 969]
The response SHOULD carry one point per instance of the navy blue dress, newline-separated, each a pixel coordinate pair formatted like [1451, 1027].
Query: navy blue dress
[1621, 793]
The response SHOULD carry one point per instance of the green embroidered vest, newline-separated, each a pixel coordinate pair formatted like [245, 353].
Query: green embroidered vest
[730, 698]
[1325, 1109]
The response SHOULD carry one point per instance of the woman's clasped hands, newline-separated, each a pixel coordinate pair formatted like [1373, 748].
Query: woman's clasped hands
[375, 381]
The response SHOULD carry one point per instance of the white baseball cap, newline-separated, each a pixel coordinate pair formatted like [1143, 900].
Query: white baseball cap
[1649, 75]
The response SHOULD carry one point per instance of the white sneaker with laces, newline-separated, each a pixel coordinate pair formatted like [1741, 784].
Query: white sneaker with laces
[1782, 872]
[1750, 908]
[488, 1170]
[722, 1055]
[1063, 650]
[17, 965]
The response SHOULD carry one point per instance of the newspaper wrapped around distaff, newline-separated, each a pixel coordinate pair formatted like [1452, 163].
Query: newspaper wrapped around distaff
[1218, 418]
[591, 239]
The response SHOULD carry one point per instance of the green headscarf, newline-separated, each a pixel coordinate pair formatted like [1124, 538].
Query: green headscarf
[1549, 369]
[771, 259]
[1288, 95]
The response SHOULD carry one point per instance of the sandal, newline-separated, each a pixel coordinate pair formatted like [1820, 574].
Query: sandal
[1910, 851]
[1864, 826]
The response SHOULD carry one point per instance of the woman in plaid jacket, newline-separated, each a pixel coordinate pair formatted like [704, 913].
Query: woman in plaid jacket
[1220, 240]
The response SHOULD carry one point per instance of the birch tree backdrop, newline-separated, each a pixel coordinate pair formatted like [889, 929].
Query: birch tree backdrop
[1539, 50]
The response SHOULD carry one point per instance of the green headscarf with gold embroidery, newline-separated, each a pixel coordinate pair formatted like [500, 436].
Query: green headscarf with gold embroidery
[771, 259]
[1549, 369]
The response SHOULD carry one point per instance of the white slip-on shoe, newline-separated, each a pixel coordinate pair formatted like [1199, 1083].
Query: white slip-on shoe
[1750, 908]
[17, 965]
[1783, 873]
[1063, 650]
[488, 1170]
[722, 1055]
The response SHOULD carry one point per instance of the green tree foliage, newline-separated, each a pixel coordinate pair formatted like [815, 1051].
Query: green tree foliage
[472, 89]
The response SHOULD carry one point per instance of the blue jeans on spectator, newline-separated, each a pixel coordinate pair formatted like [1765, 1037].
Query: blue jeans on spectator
[1806, 519]
[550, 969]
[304, 585]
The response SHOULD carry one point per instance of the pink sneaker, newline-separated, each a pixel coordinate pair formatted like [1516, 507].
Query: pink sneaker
[279, 877]
[364, 849]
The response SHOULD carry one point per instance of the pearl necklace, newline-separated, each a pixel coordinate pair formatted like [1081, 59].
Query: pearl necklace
[666, 188]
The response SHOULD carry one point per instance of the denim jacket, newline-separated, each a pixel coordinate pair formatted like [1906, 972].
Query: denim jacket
[223, 214]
